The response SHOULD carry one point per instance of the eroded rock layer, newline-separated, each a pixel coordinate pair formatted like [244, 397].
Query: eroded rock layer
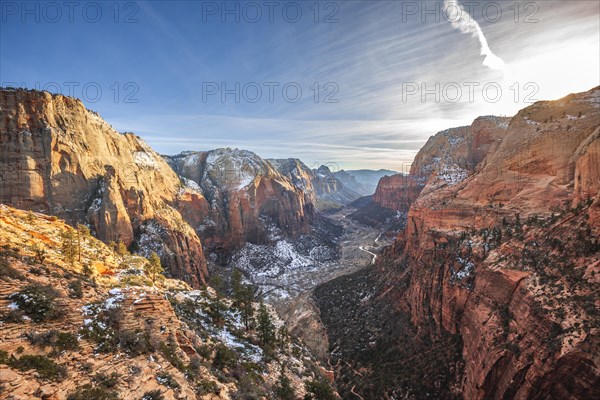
[501, 248]
[60, 158]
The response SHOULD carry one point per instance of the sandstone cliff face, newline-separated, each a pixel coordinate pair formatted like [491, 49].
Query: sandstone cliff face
[502, 251]
[247, 198]
[60, 158]
[502, 248]
[446, 159]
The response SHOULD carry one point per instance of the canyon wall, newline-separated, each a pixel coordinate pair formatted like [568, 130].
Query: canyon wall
[59, 158]
[502, 248]
[248, 199]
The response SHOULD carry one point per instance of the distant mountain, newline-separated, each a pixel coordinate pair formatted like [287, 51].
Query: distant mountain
[248, 198]
[363, 181]
[328, 190]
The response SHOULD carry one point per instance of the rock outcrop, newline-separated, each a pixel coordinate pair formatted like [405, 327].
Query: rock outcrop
[501, 249]
[446, 159]
[60, 158]
[247, 198]
[98, 327]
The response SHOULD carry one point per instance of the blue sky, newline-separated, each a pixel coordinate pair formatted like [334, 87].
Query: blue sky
[367, 58]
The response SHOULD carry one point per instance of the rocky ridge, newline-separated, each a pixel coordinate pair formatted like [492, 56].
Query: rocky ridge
[500, 252]
[96, 327]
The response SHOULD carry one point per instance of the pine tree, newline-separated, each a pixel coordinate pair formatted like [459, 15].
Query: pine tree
[247, 298]
[283, 338]
[153, 267]
[266, 329]
[82, 233]
[236, 284]
[283, 388]
[216, 282]
[69, 248]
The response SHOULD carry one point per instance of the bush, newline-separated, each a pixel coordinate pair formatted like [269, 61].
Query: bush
[107, 381]
[166, 379]
[38, 302]
[207, 387]
[224, 357]
[14, 316]
[60, 341]
[318, 390]
[87, 392]
[4, 358]
[170, 352]
[6, 271]
[135, 343]
[153, 395]
[75, 289]
[204, 351]
[44, 366]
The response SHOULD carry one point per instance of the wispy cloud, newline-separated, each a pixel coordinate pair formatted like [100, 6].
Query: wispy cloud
[462, 20]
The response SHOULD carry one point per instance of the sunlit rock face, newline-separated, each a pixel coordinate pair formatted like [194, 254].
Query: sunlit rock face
[247, 198]
[501, 248]
[59, 158]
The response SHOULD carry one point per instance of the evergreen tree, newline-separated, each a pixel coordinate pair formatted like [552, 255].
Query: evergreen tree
[69, 247]
[247, 298]
[82, 233]
[153, 267]
[216, 282]
[236, 284]
[283, 338]
[283, 388]
[266, 329]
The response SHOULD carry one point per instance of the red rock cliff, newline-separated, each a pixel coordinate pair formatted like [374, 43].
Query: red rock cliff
[248, 198]
[59, 158]
[502, 248]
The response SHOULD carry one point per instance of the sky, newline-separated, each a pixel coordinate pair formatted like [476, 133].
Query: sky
[350, 84]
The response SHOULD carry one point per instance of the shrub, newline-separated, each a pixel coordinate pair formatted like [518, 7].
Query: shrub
[60, 341]
[166, 379]
[224, 357]
[135, 343]
[153, 395]
[170, 352]
[204, 351]
[6, 271]
[107, 381]
[14, 316]
[88, 391]
[4, 358]
[38, 302]
[318, 390]
[75, 289]
[44, 366]
[207, 387]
